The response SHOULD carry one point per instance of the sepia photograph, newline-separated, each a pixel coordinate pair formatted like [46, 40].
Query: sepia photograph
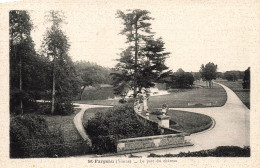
[131, 82]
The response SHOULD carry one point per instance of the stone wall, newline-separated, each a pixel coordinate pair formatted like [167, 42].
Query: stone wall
[171, 138]
[131, 145]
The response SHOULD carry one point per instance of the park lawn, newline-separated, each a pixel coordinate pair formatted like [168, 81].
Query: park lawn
[98, 93]
[217, 96]
[186, 121]
[113, 102]
[236, 86]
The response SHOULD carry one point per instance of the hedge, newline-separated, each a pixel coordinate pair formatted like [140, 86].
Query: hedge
[119, 122]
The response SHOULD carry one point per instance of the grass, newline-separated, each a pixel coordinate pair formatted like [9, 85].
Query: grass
[99, 102]
[236, 86]
[217, 96]
[99, 93]
[178, 98]
[72, 140]
[186, 121]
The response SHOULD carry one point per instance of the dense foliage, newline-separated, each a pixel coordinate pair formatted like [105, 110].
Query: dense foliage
[31, 137]
[233, 75]
[208, 73]
[26, 67]
[246, 79]
[55, 47]
[106, 128]
[47, 75]
[221, 151]
[181, 79]
[92, 74]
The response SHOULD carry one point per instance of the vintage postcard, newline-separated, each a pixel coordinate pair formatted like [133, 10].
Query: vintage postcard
[130, 83]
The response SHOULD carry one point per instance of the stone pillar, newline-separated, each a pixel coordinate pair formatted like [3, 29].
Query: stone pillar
[145, 103]
[164, 121]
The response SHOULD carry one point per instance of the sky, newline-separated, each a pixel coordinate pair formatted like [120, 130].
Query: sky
[195, 33]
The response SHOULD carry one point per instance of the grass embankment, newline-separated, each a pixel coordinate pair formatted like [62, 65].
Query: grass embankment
[73, 142]
[185, 121]
[236, 86]
[177, 98]
[221, 151]
[181, 120]
[43, 135]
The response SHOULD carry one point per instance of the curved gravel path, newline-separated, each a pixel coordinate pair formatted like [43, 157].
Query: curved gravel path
[232, 127]
[79, 117]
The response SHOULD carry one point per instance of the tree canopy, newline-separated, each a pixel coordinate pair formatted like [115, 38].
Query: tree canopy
[55, 47]
[181, 79]
[209, 72]
[143, 62]
[24, 62]
[92, 74]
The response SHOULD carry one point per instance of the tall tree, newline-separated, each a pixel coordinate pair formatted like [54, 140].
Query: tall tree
[152, 63]
[143, 62]
[208, 72]
[21, 48]
[55, 47]
[136, 28]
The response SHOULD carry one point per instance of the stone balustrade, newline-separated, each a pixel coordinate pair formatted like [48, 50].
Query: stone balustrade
[139, 144]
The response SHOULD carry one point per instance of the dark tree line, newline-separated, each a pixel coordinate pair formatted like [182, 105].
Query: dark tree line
[92, 74]
[179, 79]
[246, 79]
[26, 66]
[49, 74]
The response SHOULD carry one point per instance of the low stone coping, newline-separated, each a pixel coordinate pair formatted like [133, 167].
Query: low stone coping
[138, 144]
[162, 117]
[153, 137]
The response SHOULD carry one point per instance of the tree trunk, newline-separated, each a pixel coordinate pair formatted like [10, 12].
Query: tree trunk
[20, 81]
[53, 87]
[136, 52]
[210, 84]
[82, 92]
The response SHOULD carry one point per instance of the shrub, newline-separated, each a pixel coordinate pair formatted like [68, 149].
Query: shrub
[120, 122]
[221, 151]
[122, 101]
[30, 137]
[65, 108]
